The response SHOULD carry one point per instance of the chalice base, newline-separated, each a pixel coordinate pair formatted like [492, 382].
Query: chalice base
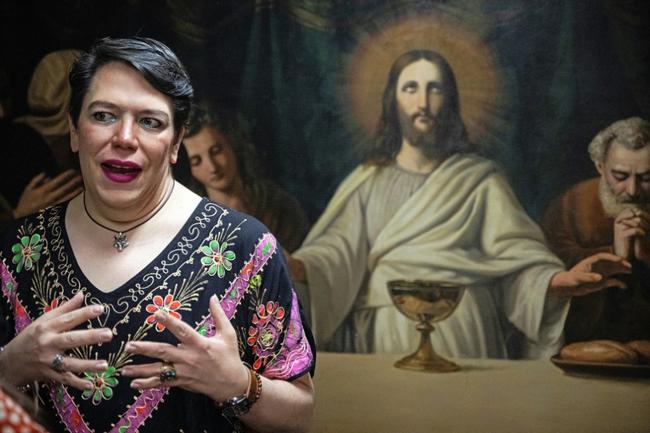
[427, 361]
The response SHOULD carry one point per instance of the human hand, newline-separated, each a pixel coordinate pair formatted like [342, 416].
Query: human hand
[30, 355]
[207, 365]
[631, 227]
[42, 192]
[590, 275]
[297, 269]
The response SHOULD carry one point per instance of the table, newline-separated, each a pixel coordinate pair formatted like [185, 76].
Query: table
[365, 393]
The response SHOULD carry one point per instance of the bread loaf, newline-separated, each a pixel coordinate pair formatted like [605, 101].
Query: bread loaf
[607, 351]
[642, 348]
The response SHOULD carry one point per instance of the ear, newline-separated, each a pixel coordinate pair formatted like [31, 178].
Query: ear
[74, 136]
[173, 155]
[600, 166]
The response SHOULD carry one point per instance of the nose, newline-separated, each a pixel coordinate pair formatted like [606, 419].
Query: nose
[423, 100]
[214, 165]
[126, 136]
[631, 186]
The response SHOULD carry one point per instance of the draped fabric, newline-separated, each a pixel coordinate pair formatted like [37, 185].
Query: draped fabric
[464, 225]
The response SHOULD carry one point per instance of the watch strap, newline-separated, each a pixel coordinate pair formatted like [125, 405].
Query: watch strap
[243, 403]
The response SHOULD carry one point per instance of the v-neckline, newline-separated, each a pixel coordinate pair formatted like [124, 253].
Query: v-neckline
[79, 273]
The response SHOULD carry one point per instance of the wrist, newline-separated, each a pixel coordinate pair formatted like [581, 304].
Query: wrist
[240, 405]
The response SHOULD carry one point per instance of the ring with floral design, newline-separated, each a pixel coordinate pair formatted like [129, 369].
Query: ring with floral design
[57, 363]
[167, 372]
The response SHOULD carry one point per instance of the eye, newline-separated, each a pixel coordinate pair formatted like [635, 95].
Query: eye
[619, 176]
[195, 160]
[410, 87]
[150, 123]
[103, 116]
[215, 149]
[435, 88]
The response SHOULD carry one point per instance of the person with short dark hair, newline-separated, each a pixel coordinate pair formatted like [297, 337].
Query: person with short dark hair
[425, 206]
[138, 304]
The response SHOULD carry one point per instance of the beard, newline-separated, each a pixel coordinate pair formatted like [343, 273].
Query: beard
[427, 141]
[614, 205]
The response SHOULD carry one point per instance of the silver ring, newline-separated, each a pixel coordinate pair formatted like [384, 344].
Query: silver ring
[57, 363]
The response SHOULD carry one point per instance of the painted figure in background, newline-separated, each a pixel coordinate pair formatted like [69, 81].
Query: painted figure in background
[425, 206]
[48, 102]
[32, 178]
[609, 213]
[224, 164]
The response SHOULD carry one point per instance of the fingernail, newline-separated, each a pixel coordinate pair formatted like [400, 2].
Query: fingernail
[88, 385]
[135, 385]
[129, 347]
[97, 309]
[103, 365]
[106, 335]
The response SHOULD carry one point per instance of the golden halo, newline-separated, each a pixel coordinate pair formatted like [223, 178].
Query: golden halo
[477, 76]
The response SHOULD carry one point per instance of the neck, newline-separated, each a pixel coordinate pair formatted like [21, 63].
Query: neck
[413, 159]
[233, 198]
[121, 219]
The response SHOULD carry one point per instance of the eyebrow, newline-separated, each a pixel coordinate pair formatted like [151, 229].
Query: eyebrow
[627, 173]
[101, 104]
[431, 84]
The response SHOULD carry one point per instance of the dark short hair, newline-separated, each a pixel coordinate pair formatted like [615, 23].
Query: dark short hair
[451, 136]
[234, 129]
[154, 60]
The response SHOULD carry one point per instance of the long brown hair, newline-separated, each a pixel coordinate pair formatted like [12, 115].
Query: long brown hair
[451, 136]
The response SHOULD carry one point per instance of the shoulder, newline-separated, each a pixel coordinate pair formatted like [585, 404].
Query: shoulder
[232, 223]
[472, 165]
[586, 187]
[37, 221]
[584, 193]
[271, 194]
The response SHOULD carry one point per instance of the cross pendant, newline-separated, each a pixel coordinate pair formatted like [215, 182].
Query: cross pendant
[121, 241]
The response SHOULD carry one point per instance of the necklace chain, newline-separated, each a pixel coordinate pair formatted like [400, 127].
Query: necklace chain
[121, 241]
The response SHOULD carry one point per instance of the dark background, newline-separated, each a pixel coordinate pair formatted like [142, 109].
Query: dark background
[574, 67]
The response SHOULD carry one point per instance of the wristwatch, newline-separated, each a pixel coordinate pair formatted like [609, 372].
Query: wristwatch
[239, 405]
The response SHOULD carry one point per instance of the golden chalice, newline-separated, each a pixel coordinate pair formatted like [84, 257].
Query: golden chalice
[425, 302]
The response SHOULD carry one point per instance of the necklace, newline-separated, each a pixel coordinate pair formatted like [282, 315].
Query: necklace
[121, 241]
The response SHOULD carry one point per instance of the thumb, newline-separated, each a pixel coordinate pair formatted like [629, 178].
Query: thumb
[587, 277]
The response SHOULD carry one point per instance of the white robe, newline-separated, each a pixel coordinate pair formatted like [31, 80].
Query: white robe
[464, 225]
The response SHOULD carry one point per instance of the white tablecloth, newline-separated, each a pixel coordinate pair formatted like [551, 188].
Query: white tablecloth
[366, 394]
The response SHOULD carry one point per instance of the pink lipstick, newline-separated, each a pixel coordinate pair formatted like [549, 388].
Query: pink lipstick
[120, 171]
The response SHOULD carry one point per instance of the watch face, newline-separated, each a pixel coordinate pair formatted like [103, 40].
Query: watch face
[236, 406]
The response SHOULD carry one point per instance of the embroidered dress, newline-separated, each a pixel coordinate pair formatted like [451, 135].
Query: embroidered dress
[218, 251]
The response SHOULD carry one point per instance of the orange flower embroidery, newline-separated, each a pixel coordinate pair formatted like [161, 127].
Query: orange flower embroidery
[168, 304]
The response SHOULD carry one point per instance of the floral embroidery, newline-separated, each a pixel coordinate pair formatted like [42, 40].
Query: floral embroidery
[254, 283]
[52, 305]
[19, 311]
[102, 385]
[217, 258]
[265, 332]
[27, 252]
[168, 304]
[181, 279]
